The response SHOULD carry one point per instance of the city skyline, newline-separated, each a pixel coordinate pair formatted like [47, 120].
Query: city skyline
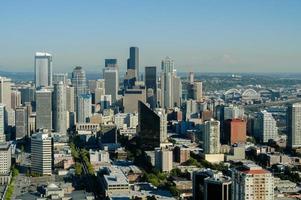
[209, 36]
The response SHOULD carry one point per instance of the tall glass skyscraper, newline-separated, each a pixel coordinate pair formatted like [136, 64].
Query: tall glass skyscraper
[151, 84]
[133, 61]
[43, 69]
[152, 126]
[79, 82]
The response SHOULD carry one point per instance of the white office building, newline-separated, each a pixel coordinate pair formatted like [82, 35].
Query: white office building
[252, 182]
[266, 127]
[43, 69]
[211, 137]
[41, 153]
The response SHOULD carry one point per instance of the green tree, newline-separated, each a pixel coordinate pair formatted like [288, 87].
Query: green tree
[78, 169]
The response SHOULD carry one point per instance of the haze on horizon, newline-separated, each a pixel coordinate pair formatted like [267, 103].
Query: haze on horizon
[201, 36]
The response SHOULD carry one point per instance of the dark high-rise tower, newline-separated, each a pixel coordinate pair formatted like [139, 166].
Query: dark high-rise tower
[133, 61]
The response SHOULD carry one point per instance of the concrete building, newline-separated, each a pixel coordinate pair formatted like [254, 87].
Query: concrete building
[43, 69]
[111, 78]
[5, 91]
[131, 98]
[115, 181]
[60, 108]
[163, 159]
[98, 157]
[252, 182]
[44, 109]
[5, 162]
[41, 153]
[265, 127]
[84, 108]
[294, 125]
[211, 137]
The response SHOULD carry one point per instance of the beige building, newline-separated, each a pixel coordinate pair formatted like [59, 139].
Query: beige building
[131, 98]
[252, 182]
[163, 159]
[198, 91]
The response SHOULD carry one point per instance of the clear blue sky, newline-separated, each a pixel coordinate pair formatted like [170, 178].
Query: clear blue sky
[203, 36]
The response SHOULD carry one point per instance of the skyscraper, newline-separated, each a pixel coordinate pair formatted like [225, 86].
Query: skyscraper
[294, 125]
[70, 98]
[84, 108]
[44, 109]
[171, 85]
[177, 91]
[5, 91]
[211, 137]
[151, 83]
[41, 153]
[79, 82]
[60, 108]
[21, 122]
[43, 69]
[111, 82]
[265, 127]
[198, 91]
[152, 127]
[133, 61]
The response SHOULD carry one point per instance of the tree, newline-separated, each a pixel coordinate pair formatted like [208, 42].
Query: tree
[78, 169]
